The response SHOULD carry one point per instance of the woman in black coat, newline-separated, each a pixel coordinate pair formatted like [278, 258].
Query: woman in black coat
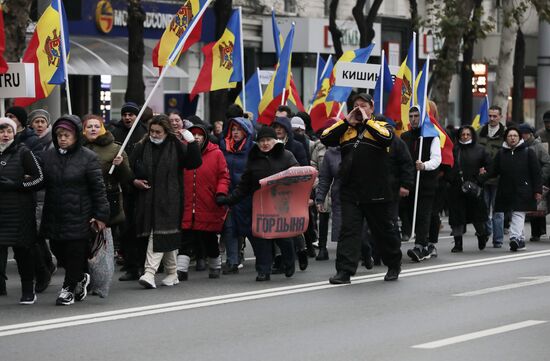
[267, 157]
[20, 175]
[471, 164]
[75, 204]
[519, 185]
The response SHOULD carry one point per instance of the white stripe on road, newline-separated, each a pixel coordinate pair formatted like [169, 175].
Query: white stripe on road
[535, 281]
[479, 334]
[62, 322]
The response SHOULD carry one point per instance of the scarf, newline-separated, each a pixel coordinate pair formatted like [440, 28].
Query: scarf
[4, 146]
[159, 209]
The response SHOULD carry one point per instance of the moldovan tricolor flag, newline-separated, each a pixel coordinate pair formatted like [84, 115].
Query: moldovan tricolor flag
[294, 96]
[44, 51]
[175, 31]
[222, 66]
[482, 117]
[399, 101]
[253, 95]
[384, 84]
[3, 64]
[322, 109]
[341, 93]
[279, 83]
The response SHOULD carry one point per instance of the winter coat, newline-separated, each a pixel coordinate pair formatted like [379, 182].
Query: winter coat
[329, 179]
[106, 149]
[236, 163]
[466, 208]
[365, 168]
[402, 167]
[28, 137]
[201, 185]
[20, 175]
[295, 147]
[543, 157]
[261, 165]
[120, 132]
[492, 144]
[544, 136]
[428, 181]
[520, 178]
[317, 155]
[159, 208]
[75, 191]
[43, 143]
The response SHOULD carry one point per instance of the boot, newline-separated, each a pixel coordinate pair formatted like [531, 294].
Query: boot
[458, 245]
[481, 241]
[214, 267]
[322, 255]
[183, 267]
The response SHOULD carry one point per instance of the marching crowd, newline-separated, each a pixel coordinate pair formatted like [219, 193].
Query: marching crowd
[182, 190]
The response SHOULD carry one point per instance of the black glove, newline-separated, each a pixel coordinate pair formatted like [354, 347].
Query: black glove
[222, 200]
[7, 184]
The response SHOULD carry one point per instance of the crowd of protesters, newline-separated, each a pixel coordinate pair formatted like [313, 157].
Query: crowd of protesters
[181, 192]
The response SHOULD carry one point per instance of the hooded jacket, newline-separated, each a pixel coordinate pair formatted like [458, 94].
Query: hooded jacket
[291, 144]
[201, 185]
[75, 191]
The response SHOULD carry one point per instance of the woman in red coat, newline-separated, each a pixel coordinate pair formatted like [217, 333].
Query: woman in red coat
[202, 218]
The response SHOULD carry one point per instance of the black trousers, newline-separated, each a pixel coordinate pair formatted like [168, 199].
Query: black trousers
[423, 217]
[25, 265]
[133, 247]
[263, 250]
[380, 219]
[324, 218]
[73, 256]
[192, 239]
[538, 226]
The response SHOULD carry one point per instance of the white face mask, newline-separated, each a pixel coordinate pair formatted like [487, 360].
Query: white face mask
[4, 146]
[155, 140]
[469, 141]
[62, 151]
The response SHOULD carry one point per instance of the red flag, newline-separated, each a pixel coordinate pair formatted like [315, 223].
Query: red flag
[3, 64]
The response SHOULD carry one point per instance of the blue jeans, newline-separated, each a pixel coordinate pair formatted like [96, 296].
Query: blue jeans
[231, 240]
[495, 224]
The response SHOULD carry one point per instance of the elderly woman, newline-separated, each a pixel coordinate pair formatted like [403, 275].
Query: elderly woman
[20, 175]
[519, 185]
[158, 162]
[471, 164]
[75, 204]
[267, 157]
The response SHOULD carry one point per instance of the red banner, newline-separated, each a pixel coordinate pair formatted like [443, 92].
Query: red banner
[280, 208]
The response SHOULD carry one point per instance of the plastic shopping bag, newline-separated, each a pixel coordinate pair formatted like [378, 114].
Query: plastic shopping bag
[102, 266]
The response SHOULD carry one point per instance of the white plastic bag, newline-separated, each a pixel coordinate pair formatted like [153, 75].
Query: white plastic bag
[102, 266]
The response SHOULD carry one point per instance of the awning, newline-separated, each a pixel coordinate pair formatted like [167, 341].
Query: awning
[109, 56]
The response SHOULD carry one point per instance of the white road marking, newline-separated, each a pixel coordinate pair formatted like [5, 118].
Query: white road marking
[479, 334]
[535, 281]
[120, 314]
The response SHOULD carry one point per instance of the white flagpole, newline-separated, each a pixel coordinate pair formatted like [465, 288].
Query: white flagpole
[382, 82]
[340, 110]
[169, 63]
[283, 102]
[242, 56]
[322, 76]
[413, 75]
[64, 57]
[259, 83]
[317, 71]
[422, 116]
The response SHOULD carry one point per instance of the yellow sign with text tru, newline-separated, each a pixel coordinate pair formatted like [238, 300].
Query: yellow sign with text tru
[104, 16]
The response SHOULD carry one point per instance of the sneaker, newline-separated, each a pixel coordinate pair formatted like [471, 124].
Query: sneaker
[182, 276]
[405, 237]
[418, 254]
[27, 299]
[341, 277]
[521, 245]
[81, 289]
[514, 244]
[170, 280]
[392, 274]
[497, 245]
[322, 255]
[534, 239]
[230, 269]
[262, 277]
[65, 297]
[148, 281]
[432, 250]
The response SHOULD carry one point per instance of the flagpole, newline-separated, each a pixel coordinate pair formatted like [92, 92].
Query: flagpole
[317, 71]
[322, 76]
[413, 80]
[382, 68]
[242, 56]
[169, 62]
[283, 102]
[259, 83]
[422, 116]
[340, 110]
[64, 57]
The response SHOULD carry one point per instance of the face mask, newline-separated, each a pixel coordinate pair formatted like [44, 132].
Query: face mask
[156, 141]
[62, 151]
[5, 146]
[466, 142]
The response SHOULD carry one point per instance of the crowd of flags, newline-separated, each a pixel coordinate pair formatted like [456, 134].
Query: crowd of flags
[223, 68]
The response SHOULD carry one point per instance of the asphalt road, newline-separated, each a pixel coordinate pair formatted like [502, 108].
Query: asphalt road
[490, 305]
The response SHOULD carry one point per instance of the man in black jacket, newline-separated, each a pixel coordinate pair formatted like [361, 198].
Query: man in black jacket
[427, 166]
[366, 190]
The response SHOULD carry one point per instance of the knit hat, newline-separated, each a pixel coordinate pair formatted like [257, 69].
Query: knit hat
[525, 128]
[130, 107]
[65, 124]
[39, 113]
[266, 132]
[297, 123]
[546, 116]
[9, 122]
[19, 113]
